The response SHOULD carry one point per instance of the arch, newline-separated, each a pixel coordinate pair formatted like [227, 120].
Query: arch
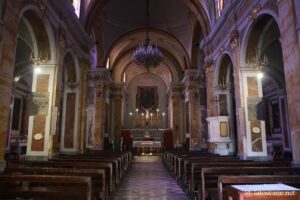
[124, 61]
[46, 26]
[70, 52]
[70, 103]
[225, 55]
[195, 6]
[248, 31]
[263, 25]
[159, 34]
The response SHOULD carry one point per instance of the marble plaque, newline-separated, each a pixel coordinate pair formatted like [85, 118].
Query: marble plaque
[256, 136]
[39, 103]
[223, 129]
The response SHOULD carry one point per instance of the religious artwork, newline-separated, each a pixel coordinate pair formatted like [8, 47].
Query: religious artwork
[224, 129]
[39, 103]
[89, 127]
[147, 97]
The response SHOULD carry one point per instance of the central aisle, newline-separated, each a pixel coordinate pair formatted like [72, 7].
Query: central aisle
[148, 180]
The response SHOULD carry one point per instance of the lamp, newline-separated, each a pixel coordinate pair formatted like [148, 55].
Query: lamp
[39, 60]
[256, 62]
[146, 54]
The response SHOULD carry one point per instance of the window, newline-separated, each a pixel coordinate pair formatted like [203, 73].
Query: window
[219, 5]
[76, 4]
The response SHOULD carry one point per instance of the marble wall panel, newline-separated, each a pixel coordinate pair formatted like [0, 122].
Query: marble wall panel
[70, 120]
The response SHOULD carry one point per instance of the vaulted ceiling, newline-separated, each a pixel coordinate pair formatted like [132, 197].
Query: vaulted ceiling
[109, 21]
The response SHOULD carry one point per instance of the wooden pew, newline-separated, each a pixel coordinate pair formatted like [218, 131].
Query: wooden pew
[223, 181]
[121, 161]
[70, 164]
[187, 163]
[125, 156]
[196, 168]
[209, 176]
[97, 176]
[115, 163]
[45, 187]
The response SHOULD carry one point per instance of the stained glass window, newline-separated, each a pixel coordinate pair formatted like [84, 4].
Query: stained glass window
[219, 4]
[76, 4]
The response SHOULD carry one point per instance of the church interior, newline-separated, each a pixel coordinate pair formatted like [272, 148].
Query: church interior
[150, 99]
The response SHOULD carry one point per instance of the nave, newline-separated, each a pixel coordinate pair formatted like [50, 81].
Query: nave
[149, 181]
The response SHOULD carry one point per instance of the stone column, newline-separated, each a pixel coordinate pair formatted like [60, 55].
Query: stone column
[55, 125]
[211, 104]
[84, 65]
[100, 77]
[291, 60]
[99, 116]
[241, 132]
[256, 145]
[117, 98]
[178, 116]
[8, 42]
[39, 140]
[192, 94]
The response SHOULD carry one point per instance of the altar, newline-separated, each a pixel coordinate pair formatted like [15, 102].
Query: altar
[147, 147]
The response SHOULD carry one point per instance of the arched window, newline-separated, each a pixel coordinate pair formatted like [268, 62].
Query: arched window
[76, 4]
[219, 5]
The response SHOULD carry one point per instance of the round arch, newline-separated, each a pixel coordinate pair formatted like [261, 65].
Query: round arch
[46, 25]
[225, 55]
[195, 6]
[248, 31]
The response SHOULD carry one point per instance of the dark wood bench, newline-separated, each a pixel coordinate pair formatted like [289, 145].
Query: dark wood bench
[109, 177]
[187, 164]
[196, 168]
[45, 187]
[223, 181]
[97, 175]
[208, 184]
[115, 163]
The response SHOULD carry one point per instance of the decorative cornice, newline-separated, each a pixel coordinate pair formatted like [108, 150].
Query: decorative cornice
[254, 12]
[64, 17]
[234, 38]
[99, 76]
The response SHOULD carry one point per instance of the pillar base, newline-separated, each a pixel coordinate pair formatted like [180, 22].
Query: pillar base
[257, 158]
[37, 158]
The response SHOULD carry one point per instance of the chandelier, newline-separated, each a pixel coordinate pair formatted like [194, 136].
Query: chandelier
[146, 54]
[257, 62]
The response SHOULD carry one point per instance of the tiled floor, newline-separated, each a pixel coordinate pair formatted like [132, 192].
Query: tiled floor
[148, 181]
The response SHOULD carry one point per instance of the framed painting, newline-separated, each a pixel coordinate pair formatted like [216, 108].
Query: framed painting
[146, 97]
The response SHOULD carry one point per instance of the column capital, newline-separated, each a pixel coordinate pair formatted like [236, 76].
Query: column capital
[99, 76]
[233, 39]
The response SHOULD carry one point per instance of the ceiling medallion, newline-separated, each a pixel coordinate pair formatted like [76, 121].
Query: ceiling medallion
[146, 54]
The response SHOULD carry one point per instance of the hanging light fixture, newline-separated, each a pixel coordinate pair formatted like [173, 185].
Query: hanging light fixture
[146, 54]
